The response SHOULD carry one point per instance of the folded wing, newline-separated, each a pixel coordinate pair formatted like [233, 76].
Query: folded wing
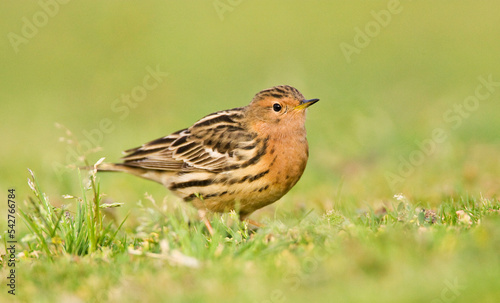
[215, 143]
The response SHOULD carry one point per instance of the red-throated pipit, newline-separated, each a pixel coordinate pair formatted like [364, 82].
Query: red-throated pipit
[243, 158]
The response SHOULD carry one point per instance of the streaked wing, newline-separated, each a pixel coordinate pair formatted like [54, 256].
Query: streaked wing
[216, 142]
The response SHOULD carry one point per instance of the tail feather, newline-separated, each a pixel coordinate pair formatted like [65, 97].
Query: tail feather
[107, 167]
[136, 171]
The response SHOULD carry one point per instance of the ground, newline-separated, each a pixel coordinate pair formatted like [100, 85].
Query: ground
[399, 200]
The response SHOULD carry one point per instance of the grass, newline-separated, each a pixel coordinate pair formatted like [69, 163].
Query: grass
[342, 233]
[58, 231]
[433, 254]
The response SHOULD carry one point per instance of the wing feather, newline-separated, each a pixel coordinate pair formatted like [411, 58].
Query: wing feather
[215, 142]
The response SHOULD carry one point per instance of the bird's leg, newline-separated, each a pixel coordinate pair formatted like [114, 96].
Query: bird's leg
[203, 217]
[243, 218]
[254, 223]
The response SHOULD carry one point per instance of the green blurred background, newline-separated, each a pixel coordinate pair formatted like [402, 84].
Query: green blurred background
[392, 92]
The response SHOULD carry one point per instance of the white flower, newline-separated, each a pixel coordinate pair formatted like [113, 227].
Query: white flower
[463, 217]
[399, 197]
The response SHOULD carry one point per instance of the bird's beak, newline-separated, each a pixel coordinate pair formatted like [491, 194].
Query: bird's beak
[305, 104]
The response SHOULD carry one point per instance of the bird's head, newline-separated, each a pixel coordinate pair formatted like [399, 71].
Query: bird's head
[279, 108]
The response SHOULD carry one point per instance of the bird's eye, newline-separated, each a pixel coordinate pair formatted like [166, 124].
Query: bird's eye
[276, 107]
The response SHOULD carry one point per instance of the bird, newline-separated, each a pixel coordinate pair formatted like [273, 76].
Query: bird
[240, 159]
